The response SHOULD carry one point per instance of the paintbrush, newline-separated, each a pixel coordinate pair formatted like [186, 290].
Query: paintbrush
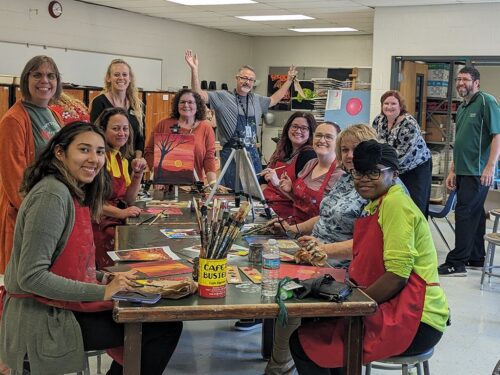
[274, 169]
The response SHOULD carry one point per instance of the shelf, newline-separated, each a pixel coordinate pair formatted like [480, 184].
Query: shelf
[440, 175]
[441, 112]
[439, 143]
[444, 99]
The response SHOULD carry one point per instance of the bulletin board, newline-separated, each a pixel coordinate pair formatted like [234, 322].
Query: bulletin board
[348, 107]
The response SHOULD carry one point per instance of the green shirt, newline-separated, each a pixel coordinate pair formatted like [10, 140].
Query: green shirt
[44, 125]
[408, 247]
[477, 122]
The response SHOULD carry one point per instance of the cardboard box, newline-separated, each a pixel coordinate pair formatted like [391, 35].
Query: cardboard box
[434, 134]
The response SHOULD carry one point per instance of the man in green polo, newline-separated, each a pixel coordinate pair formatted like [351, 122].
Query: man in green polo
[475, 155]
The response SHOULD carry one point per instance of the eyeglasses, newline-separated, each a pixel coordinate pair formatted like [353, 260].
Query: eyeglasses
[188, 102]
[245, 79]
[38, 76]
[459, 79]
[302, 129]
[328, 137]
[372, 174]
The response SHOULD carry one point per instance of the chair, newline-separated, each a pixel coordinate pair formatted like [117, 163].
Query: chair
[437, 211]
[92, 353]
[405, 363]
[493, 240]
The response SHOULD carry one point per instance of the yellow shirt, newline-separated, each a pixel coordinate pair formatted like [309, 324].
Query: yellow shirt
[408, 246]
[114, 168]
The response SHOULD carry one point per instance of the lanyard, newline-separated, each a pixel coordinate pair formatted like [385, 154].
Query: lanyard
[245, 111]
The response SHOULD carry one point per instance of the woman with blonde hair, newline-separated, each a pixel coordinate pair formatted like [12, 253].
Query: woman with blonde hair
[120, 91]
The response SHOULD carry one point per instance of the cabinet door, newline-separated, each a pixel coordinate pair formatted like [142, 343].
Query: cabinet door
[92, 95]
[413, 88]
[4, 100]
[75, 93]
[158, 107]
[18, 93]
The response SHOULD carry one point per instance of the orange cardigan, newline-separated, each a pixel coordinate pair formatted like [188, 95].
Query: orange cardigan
[17, 152]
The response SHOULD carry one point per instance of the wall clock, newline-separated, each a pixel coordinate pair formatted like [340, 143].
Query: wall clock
[55, 9]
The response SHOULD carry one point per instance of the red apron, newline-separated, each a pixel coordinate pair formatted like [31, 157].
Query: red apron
[388, 332]
[276, 199]
[104, 232]
[306, 201]
[77, 262]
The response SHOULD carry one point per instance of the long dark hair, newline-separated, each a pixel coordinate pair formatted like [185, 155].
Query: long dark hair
[200, 105]
[93, 194]
[284, 147]
[103, 120]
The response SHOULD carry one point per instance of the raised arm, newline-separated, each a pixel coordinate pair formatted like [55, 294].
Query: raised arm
[278, 95]
[192, 61]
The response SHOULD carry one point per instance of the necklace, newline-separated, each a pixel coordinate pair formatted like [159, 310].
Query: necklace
[192, 126]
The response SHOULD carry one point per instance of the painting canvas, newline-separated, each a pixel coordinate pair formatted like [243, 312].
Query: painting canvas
[173, 159]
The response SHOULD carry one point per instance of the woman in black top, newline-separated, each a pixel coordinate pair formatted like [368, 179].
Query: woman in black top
[120, 91]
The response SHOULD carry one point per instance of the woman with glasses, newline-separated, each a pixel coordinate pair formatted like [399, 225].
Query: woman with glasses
[394, 260]
[317, 177]
[293, 151]
[188, 117]
[25, 129]
[399, 129]
[332, 231]
[120, 91]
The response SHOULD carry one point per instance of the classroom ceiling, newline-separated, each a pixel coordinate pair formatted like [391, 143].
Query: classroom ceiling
[357, 14]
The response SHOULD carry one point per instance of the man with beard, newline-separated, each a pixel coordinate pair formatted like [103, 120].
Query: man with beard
[475, 155]
[237, 113]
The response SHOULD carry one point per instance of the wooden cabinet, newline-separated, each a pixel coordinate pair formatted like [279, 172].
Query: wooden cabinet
[4, 99]
[158, 106]
[76, 93]
[91, 95]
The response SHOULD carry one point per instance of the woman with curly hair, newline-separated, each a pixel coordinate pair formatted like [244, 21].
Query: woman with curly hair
[120, 91]
[188, 117]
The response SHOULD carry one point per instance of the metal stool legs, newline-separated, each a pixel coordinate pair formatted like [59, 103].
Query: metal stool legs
[493, 240]
[92, 353]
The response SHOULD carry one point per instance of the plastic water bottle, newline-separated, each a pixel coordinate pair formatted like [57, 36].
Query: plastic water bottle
[270, 269]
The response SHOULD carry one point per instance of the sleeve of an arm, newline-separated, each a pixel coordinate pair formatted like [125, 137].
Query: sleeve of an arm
[398, 226]
[209, 160]
[39, 243]
[407, 138]
[96, 107]
[13, 160]
[492, 116]
[302, 159]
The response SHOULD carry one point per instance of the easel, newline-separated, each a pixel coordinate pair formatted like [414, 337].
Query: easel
[248, 179]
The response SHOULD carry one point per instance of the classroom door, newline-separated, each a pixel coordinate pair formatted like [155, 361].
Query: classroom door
[413, 88]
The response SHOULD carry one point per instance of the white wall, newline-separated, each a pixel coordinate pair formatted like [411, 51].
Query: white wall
[445, 30]
[95, 28]
[310, 51]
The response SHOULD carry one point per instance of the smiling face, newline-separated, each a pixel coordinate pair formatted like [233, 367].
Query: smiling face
[347, 147]
[370, 188]
[187, 106]
[466, 86]
[245, 81]
[324, 140]
[42, 85]
[84, 157]
[391, 107]
[119, 77]
[117, 131]
[298, 132]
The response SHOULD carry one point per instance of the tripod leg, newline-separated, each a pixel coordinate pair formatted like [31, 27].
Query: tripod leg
[221, 176]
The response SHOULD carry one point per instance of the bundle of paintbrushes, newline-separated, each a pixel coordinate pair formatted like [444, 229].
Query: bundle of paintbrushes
[218, 234]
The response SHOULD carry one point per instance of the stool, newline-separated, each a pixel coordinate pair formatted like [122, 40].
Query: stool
[88, 354]
[493, 240]
[404, 363]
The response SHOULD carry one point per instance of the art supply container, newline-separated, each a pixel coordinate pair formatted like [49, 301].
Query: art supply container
[212, 278]
[255, 254]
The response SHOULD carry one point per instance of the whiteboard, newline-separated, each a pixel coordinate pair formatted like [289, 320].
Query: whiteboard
[85, 68]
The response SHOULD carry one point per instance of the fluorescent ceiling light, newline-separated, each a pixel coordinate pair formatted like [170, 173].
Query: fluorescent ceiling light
[290, 17]
[212, 2]
[324, 30]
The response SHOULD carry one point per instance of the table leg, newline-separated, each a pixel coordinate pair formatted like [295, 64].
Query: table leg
[354, 346]
[132, 349]
[267, 338]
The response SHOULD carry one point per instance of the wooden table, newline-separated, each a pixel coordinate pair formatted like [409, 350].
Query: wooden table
[235, 305]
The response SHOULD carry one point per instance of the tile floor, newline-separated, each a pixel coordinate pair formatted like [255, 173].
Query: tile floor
[470, 346]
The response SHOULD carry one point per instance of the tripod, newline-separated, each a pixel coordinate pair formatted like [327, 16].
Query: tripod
[244, 171]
